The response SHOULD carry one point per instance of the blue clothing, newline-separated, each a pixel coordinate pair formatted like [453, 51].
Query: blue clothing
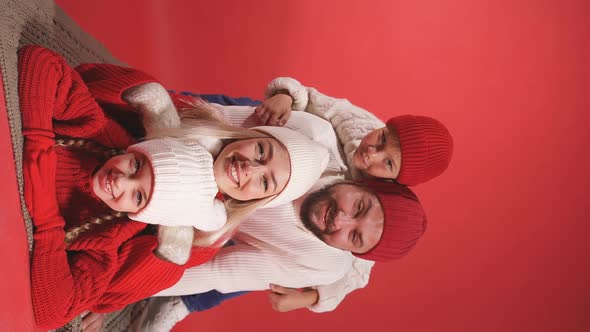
[204, 301]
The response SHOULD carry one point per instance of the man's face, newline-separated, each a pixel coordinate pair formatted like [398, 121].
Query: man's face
[345, 216]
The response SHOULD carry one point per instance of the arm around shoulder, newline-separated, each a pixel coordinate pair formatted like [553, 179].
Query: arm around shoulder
[292, 87]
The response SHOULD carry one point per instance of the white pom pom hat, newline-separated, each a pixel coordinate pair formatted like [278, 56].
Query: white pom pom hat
[184, 187]
[309, 159]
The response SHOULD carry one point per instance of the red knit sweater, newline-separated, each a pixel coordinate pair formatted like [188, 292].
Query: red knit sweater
[110, 265]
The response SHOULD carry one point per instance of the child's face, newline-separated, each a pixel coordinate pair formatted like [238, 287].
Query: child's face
[124, 182]
[378, 154]
[252, 168]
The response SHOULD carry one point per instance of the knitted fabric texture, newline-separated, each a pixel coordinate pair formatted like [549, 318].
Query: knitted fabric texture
[404, 221]
[426, 147]
[308, 161]
[110, 265]
[184, 186]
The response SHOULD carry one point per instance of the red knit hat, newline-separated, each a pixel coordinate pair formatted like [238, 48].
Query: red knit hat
[404, 221]
[426, 147]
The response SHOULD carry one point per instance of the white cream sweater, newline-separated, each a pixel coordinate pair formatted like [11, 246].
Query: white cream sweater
[274, 247]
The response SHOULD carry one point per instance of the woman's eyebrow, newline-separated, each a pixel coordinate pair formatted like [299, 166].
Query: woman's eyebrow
[368, 207]
[269, 158]
[274, 181]
[270, 150]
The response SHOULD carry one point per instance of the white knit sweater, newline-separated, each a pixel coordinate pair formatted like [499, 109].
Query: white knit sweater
[274, 247]
[350, 122]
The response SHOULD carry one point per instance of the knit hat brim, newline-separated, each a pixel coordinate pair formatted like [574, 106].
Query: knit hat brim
[184, 187]
[426, 148]
[308, 161]
[405, 221]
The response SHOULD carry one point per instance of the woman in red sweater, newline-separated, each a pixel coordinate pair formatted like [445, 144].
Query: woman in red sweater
[118, 261]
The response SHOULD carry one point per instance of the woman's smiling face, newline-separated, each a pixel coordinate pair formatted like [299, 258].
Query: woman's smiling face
[252, 168]
[124, 182]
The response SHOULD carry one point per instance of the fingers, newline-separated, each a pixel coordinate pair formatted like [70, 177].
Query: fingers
[274, 300]
[283, 119]
[279, 289]
[260, 109]
[274, 119]
[264, 117]
[262, 113]
[92, 322]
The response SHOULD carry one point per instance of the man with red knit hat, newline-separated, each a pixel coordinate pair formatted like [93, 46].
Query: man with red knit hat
[342, 215]
[375, 221]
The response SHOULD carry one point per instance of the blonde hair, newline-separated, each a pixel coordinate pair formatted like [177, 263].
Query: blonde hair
[89, 146]
[201, 120]
[106, 154]
[73, 233]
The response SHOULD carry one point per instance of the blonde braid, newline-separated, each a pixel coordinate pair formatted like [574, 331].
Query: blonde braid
[73, 233]
[90, 146]
[106, 153]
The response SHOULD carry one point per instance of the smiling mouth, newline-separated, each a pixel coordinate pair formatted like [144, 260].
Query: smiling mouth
[107, 186]
[233, 172]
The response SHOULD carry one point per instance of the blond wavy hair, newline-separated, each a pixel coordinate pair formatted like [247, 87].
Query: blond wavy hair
[200, 119]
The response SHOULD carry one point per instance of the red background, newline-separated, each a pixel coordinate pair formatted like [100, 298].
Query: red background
[507, 246]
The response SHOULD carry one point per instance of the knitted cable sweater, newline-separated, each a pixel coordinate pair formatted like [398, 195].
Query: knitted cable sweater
[111, 265]
[272, 247]
[350, 122]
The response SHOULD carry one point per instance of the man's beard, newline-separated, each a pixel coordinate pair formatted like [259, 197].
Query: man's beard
[310, 206]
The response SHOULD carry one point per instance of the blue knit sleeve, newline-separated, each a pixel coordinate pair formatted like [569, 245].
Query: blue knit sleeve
[224, 100]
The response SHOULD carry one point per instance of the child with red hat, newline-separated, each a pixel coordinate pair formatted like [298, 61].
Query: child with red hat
[410, 149]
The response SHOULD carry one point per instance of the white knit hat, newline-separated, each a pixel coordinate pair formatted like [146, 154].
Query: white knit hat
[184, 188]
[309, 159]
